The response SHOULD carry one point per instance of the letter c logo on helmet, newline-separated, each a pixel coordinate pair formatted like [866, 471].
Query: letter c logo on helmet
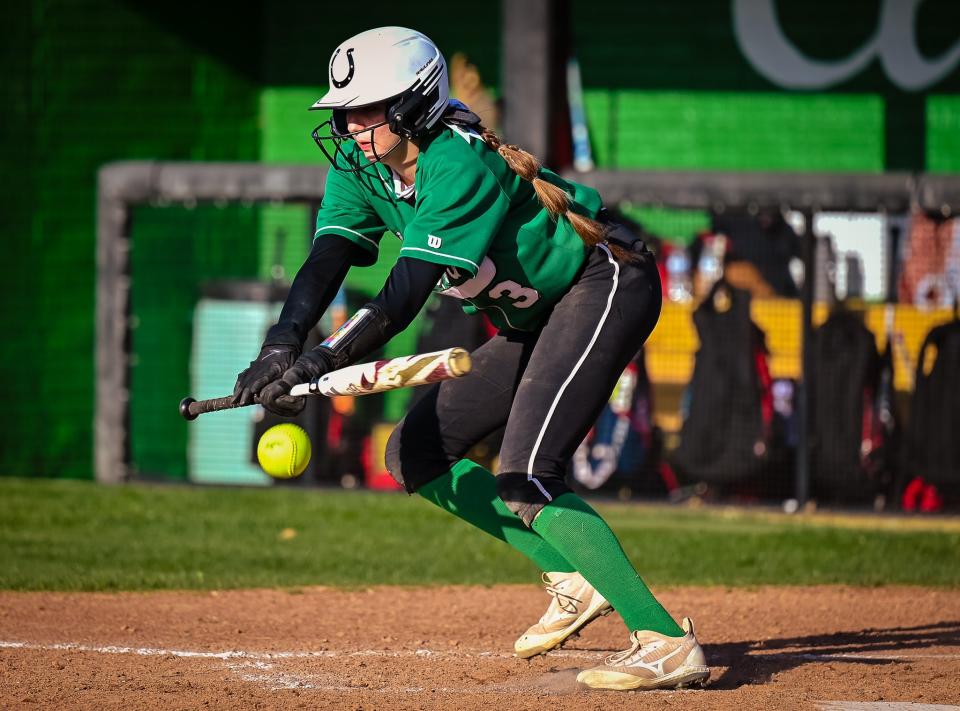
[340, 83]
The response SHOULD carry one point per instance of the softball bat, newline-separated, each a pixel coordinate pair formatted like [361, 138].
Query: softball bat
[361, 379]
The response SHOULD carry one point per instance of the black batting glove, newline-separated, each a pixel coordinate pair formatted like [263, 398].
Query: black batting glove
[311, 366]
[269, 366]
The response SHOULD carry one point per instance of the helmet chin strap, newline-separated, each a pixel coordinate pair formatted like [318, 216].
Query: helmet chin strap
[379, 158]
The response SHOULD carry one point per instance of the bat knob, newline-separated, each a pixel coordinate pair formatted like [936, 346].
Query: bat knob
[185, 408]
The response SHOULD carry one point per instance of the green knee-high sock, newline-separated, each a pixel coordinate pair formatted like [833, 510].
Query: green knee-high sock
[469, 491]
[583, 538]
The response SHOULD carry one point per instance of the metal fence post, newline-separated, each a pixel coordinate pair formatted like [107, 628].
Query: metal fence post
[525, 73]
[802, 490]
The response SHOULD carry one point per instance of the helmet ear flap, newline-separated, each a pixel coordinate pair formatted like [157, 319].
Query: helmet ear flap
[401, 115]
[339, 121]
[407, 116]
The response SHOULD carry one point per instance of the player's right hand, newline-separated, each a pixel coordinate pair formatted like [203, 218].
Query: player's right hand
[269, 366]
[277, 399]
[311, 365]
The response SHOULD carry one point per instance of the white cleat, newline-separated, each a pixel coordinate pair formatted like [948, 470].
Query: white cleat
[575, 603]
[652, 662]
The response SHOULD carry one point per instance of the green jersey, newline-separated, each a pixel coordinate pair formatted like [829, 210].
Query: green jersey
[469, 212]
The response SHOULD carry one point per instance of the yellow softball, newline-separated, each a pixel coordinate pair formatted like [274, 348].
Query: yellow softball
[284, 451]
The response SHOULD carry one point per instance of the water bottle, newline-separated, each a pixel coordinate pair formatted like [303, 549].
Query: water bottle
[678, 276]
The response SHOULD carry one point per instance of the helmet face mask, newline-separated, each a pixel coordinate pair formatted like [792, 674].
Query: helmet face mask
[394, 66]
[331, 135]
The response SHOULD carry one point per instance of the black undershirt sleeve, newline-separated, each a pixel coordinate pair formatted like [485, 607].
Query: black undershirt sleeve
[314, 288]
[407, 289]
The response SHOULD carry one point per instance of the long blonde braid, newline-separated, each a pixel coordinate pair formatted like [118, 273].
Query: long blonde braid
[553, 198]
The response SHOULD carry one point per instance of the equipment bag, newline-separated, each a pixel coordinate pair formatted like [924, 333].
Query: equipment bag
[852, 417]
[726, 434]
[932, 446]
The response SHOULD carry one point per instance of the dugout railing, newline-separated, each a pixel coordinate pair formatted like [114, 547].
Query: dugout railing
[126, 185]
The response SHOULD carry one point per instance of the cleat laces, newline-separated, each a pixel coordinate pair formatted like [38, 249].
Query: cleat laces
[619, 658]
[567, 603]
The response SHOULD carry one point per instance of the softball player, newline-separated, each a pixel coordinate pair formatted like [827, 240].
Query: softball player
[573, 294]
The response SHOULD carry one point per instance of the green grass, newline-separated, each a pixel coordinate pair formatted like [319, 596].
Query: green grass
[65, 535]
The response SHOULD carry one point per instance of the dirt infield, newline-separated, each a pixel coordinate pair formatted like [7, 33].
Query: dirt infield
[450, 648]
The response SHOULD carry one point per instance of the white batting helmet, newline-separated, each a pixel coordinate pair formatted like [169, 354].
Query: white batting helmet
[394, 65]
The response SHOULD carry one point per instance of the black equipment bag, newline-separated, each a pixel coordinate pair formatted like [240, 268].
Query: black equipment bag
[725, 436]
[932, 447]
[852, 417]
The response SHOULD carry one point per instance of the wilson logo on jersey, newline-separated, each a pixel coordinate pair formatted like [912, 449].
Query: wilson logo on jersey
[434, 241]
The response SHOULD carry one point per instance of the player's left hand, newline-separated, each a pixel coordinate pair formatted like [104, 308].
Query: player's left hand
[276, 397]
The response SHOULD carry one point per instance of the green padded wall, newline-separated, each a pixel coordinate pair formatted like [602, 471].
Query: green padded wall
[285, 126]
[943, 134]
[175, 251]
[25, 339]
[94, 81]
[632, 129]
[736, 131]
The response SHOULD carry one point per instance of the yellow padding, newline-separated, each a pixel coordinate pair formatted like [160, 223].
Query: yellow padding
[671, 348]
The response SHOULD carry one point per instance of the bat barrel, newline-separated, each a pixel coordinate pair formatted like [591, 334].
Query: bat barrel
[459, 362]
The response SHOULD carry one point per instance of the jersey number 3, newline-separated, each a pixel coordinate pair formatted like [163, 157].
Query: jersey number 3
[522, 296]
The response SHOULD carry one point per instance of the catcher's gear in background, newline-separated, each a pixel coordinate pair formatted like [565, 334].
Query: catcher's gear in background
[393, 65]
[621, 446]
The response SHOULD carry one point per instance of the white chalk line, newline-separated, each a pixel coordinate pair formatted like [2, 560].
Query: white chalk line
[408, 653]
[276, 656]
[242, 663]
[868, 656]
[279, 681]
[258, 667]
